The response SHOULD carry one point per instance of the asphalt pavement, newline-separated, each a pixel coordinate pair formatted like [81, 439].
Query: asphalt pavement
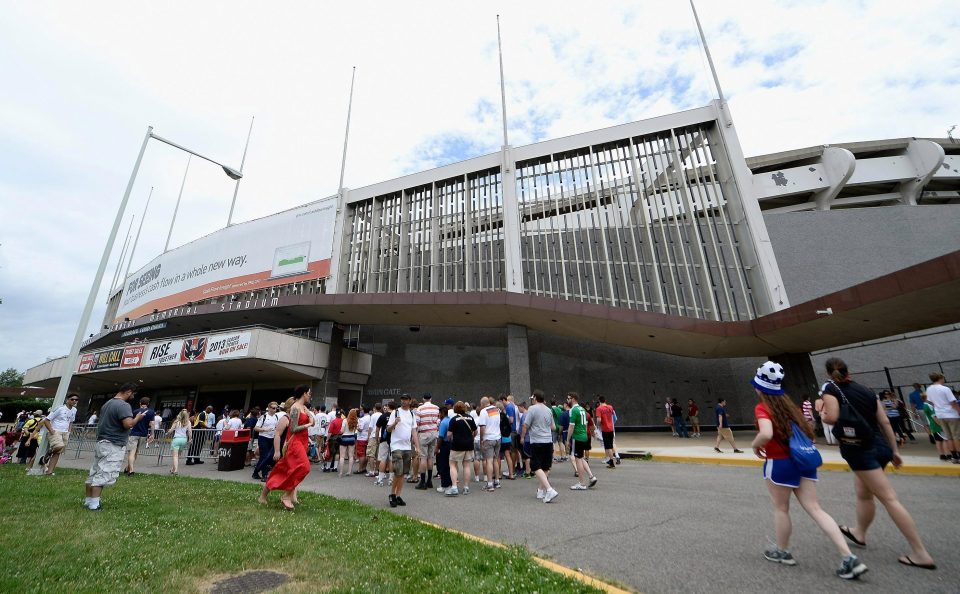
[673, 527]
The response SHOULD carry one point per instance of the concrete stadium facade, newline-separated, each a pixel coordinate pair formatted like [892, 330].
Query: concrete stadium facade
[492, 275]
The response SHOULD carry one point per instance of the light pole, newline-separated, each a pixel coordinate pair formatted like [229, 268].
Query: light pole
[236, 186]
[71, 363]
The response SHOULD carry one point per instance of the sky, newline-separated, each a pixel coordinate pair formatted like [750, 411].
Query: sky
[82, 81]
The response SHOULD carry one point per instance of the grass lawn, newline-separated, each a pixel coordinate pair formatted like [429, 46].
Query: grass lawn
[179, 534]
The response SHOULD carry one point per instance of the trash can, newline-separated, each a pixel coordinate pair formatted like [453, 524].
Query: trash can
[233, 449]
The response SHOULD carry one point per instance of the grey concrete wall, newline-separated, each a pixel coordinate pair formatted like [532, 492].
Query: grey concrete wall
[822, 252]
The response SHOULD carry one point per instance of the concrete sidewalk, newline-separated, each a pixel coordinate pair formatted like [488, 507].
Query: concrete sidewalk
[919, 457]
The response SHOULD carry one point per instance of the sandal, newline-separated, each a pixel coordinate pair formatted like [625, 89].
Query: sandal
[906, 560]
[853, 539]
[287, 505]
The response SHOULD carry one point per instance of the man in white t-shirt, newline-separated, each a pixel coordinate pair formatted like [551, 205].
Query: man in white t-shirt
[947, 413]
[265, 430]
[403, 435]
[488, 423]
[58, 424]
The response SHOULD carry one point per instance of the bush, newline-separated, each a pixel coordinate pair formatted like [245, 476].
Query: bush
[10, 408]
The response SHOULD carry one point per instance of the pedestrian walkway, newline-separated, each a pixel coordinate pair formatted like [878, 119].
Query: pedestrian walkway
[919, 457]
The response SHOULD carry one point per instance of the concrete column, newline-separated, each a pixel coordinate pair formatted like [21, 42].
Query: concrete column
[331, 377]
[518, 360]
[511, 225]
[247, 398]
[334, 283]
[800, 378]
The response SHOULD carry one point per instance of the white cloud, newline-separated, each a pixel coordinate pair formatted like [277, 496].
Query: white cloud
[82, 81]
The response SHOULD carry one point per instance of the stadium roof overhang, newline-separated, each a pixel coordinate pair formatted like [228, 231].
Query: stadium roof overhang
[922, 296]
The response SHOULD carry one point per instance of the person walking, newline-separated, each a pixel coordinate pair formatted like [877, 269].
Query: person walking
[936, 432]
[461, 432]
[116, 421]
[580, 439]
[776, 416]
[403, 435]
[443, 451]
[605, 414]
[428, 426]
[140, 434]
[947, 411]
[30, 438]
[58, 424]
[348, 443]
[867, 452]
[488, 423]
[693, 416]
[538, 427]
[723, 427]
[290, 470]
[893, 415]
[679, 425]
[182, 436]
[265, 429]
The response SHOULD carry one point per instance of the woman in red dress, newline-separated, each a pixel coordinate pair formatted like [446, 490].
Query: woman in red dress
[294, 466]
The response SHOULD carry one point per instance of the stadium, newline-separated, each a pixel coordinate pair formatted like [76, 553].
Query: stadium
[642, 261]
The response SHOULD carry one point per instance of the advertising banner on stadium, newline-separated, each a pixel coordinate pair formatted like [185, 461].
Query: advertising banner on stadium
[214, 347]
[290, 246]
[132, 356]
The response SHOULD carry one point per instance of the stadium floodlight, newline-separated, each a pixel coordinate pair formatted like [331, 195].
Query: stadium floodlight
[71, 364]
[230, 171]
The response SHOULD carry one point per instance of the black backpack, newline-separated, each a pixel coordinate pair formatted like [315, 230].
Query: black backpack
[505, 428]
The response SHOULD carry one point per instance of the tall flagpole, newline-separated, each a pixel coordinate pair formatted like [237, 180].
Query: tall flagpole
[126, 273]
[346, 135]
[123, 254]
[713, 69]
[503, 92]
[243, 160]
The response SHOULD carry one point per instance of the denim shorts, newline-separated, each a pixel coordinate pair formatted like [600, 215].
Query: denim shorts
[872, 458]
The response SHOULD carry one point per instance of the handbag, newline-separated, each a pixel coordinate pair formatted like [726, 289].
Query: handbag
[803, 453]
[851, 428]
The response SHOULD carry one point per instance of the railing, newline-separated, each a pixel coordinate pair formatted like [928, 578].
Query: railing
[204, 446]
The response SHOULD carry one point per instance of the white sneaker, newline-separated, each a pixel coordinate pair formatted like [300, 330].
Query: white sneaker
[466, 490]
[550, 495]
[540, 493]
[578, 487]
[451, 492]
[440, 489]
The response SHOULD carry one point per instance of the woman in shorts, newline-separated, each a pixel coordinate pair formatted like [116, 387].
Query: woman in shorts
[182, 437]
[348, 443]
[867, 459]
[460, 434]
[776, 415]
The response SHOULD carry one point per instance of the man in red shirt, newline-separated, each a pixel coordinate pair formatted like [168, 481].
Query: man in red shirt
[605, 414]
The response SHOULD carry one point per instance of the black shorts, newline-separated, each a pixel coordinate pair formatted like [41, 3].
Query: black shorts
[607, 440]
[877, 456]
[515, 440]
[579, 447]
[541, 456]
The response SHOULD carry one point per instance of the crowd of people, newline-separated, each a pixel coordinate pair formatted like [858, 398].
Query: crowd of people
[455, 446]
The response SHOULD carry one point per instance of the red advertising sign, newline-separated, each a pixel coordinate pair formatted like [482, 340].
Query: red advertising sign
[86, 363]
[132, 356]
[193, 349]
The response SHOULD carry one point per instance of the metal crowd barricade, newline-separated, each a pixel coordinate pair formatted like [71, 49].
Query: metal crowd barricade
[204, 447]
[83, 438]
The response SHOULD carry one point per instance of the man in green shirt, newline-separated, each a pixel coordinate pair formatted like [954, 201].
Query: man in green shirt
[580, 439]
[557, 410]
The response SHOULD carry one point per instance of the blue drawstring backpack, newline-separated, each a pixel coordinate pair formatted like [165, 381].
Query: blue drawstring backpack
[804, 454]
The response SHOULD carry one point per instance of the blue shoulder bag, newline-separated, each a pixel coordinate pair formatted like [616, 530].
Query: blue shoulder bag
[804, 454]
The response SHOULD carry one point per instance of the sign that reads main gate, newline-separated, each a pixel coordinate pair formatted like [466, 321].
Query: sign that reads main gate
[290, 246]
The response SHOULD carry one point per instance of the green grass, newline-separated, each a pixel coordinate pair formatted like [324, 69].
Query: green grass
[166, 534]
